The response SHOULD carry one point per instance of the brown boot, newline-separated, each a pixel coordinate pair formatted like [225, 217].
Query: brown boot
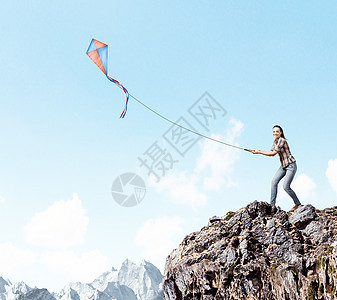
[295, 207]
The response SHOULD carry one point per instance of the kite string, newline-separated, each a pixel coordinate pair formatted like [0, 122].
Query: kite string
[183, 127]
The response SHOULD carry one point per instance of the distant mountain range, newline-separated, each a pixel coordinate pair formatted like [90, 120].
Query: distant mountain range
[131, 282]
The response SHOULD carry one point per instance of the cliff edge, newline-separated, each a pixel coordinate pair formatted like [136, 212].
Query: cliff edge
[257, 253]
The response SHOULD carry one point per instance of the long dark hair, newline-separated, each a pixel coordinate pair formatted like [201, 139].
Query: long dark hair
[282, 134]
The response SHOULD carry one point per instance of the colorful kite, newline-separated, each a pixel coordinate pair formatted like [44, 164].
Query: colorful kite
[98, 52]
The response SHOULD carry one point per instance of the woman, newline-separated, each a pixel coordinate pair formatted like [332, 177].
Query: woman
[288, 166]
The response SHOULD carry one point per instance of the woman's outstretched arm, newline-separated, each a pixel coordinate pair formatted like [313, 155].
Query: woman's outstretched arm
[270, 153]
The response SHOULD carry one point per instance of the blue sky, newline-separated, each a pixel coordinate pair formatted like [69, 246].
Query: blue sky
[63, 144]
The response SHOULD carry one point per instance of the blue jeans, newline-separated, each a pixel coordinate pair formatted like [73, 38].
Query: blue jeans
[288, 173]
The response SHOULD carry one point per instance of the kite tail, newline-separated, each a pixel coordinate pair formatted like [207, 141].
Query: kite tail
[126, 93]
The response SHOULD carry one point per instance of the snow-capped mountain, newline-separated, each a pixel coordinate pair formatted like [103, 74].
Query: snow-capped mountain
[35, 294]
[3, 284]
[13, 291]
[145, 280]
[21, 291]
[102, 281]
[131, 282]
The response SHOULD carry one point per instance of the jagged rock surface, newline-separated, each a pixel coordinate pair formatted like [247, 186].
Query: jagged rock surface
[3, 284]
[257, 253]
[37, 294]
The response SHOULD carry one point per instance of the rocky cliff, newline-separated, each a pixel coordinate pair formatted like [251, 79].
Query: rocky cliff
[257, 253]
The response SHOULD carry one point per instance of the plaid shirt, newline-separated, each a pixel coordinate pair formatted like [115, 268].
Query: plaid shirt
[282, 148]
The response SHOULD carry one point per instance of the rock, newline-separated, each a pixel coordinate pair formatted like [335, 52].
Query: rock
[257, 253]
[303, 215]
[37, 294]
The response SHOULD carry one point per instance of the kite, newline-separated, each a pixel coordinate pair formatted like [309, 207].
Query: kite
[98, 52]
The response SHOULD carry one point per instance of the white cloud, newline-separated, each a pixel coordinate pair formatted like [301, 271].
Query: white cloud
[158, 237]
[62, 225]
[213, 170]
[219, 158]
[13, 258]
[84, 268]
[331, 173]
[182, 189]
[304, 187]
[2, 199]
